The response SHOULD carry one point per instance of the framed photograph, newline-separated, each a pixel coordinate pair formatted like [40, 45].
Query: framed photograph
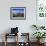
[41, 12]
[18, 13]
[41, 8]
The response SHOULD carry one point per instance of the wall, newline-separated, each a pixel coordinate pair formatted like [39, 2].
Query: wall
[24, 25]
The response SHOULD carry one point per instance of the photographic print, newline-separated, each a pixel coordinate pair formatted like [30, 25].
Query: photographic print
[18, 13]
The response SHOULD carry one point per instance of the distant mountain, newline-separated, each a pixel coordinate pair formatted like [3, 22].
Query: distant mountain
[18, 15]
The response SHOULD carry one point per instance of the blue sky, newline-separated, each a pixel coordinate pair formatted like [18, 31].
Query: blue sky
[18, 10]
